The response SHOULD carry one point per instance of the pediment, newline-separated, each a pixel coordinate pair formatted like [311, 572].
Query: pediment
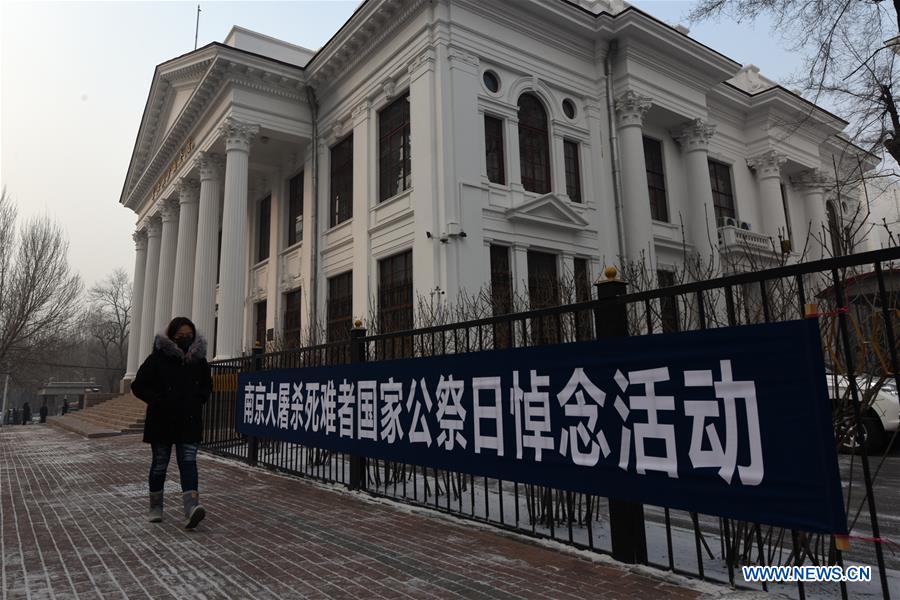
[549, 210]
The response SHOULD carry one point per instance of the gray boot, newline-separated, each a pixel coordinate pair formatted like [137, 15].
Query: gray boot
[193, 512]
[156, 507]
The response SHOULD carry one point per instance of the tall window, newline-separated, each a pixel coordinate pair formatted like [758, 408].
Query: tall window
[219, 258]
[668, 305]
[295, 209]
[534, 144]
[723, 196]
[583, 330]
[789, 234]
[395, 293]
[263, 227]
[493, 148]
[393, 149]
[292, 319]
[341, 203]
[260, 326]
[501, 280]
[543, 292]
[656, 180]
[573, 171]
[339, 307]
[834, 229]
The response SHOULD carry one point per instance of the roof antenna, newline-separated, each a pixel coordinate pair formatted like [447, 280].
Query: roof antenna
[197, 28]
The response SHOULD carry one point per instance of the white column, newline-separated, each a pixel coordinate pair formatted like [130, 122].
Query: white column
[812, 184]
[151, 279]
[362, 191]
[701, 217]
[768, 174]
[187, 245]
[203, 307]
[167, 247]
[233, 279]
[137, 304]
[630, 110]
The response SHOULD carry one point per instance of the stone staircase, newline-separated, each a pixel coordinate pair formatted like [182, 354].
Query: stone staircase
[121, 415]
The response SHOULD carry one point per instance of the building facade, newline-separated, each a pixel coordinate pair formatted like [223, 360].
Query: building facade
[441, 147]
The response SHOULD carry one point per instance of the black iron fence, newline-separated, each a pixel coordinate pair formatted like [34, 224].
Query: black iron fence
[857, 301]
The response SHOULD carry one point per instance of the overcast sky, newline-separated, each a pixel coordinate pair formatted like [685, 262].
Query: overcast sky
[74, 78]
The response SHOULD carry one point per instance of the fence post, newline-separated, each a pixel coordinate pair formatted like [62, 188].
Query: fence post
[357, 355]
[253, 441]
[626, 519]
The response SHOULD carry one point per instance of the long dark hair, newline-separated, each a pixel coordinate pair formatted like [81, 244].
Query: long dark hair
[176, 324]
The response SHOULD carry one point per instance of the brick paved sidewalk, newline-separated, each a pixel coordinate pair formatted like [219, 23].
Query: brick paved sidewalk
[72, 525]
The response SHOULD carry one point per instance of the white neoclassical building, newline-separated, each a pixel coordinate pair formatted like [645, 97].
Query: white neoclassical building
[439, 146]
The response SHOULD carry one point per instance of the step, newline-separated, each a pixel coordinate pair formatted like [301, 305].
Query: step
[81, 427]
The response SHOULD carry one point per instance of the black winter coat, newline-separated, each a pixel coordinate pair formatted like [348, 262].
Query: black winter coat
[175, 385]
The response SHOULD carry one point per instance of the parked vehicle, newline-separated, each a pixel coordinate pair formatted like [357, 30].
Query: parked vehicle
[880, 411]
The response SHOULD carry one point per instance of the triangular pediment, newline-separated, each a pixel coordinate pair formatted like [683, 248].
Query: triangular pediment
[549, 210]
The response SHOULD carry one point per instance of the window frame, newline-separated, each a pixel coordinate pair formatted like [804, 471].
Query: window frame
[263, 229]
[573, 176]
[337, 327]
[293, 311]
[499, 150]
[295, 184]
[534, 141]
[396, 309]
[713, 178]
[260, 314]
[340, 211]
[658, 212]
[400, 130]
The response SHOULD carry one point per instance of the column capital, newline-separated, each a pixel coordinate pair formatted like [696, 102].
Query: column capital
[188, 190]
[460, 59]
[360, 112]
[154, 226]
[238, 134]
[810, 181]
[768, 164]
[631, 108]
[168, 210]
[421, 64]
[210, 165]
[140, 240]
[695, 135]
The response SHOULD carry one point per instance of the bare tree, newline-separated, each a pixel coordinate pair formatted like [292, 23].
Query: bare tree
[107, 322]
[847, 62]
[39, 293]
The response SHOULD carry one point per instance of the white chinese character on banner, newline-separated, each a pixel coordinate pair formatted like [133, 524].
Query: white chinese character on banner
[585, 433]
[312, 406]
[652, 429]
[391, 397]
[418, 429]
[346, 403]
[367, 422]
[297, 406]
[249, 400]
[490, 412]
[259, 415]
[284, 403]
[725, 458]
[272, 402]
[329, 406]
[531, 412]
[451, 414]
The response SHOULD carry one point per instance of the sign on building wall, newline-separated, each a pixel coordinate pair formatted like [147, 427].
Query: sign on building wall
[733, 422]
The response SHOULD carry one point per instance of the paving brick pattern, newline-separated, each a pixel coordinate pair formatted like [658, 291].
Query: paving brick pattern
[72, 526]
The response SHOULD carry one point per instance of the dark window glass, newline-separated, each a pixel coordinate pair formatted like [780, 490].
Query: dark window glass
[583, 330]
[568, 108]
[534, 144]
[491, 81]
[395, 293]
[668, 305]
[573, 171]
[339, 307]
[493, 147]
[263, 227]
[393, 149]
[501, 294]
[656, 180]
[834, 230]
[723, 196]
[260, 329]
[295, 209]
[787, 216]
[292, 319]
[341, 203]
[543, 292]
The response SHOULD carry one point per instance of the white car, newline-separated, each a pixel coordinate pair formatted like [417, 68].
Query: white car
[880, 411]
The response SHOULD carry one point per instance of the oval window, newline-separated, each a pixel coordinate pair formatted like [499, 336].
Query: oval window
[491, 81]
[568, 108]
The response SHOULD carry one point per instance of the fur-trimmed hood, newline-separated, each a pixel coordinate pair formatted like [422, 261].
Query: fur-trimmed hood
[196, 352]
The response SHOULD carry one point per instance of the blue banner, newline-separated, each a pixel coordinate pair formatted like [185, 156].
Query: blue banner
[733, 422]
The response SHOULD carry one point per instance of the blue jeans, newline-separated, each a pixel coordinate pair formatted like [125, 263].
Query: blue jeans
[185, 454]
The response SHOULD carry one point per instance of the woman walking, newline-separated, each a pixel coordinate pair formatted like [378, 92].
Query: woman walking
[175, 382]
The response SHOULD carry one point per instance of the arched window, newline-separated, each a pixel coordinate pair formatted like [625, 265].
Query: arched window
[534, 144]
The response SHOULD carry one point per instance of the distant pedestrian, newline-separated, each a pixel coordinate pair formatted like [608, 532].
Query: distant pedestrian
[175, 382]
[26, 414]
[43, 412]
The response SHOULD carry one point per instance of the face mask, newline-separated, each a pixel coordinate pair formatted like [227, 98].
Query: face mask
[184, 343]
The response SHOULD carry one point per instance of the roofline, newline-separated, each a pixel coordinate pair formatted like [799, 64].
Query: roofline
[781, 88]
